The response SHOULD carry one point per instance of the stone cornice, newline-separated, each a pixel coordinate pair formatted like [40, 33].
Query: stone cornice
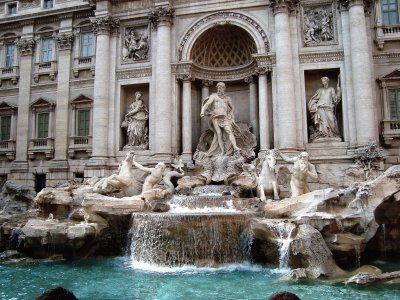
[283, 6]
[26, 46]
[42, 17]
[134, 73]
[104, 24]
[317, 57]
[64, 41]
[163, 14]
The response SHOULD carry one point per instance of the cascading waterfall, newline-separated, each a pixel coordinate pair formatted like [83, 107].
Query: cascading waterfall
[190, 239]
[202, 203]
[285, 233]
[357, 250]
[384, 238]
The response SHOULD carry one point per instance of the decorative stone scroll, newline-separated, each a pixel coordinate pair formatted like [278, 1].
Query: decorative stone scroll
[104, 25]
[161, 14]
[319, 25]
[26, 46]
[64, 41]
[135, 44]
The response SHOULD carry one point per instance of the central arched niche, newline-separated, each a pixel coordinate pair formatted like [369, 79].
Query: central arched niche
[224, 53]
[223, 47]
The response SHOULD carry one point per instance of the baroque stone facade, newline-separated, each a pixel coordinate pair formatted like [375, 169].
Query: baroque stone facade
[69, 73]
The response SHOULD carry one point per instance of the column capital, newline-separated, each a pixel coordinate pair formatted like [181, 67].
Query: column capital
[249, 79]
[283, 6]
[262, 70]
[104, 24]
[161, 14]
[207, 83]
[64, 40]
[26, 46]
[185, 77]
[346, 4]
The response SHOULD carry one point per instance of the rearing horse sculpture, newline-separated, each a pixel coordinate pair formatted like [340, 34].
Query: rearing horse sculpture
[266, 180]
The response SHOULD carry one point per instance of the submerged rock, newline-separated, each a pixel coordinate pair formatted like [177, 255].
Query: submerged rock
[58, 293]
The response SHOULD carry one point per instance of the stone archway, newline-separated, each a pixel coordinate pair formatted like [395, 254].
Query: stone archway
[246, 23]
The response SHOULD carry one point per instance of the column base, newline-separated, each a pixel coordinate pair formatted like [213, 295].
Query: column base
[187, 157]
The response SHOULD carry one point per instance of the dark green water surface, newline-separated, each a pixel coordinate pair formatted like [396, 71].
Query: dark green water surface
[118, 278]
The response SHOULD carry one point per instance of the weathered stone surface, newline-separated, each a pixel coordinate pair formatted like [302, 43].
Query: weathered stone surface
[15, 198]
[348, 218]
[364, 278]
[98, 207]
[43, 238]
[306, 250]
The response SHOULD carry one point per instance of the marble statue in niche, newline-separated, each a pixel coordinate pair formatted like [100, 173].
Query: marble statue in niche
[136, 123]
[135, 45]
[318, 26]
[219, 110]
[322, 108]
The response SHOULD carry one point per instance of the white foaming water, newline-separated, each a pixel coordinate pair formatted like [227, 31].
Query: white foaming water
[191, 269]
[177, 208]
[284, 241]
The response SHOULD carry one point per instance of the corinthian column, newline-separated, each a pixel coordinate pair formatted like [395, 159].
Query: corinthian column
[253, 105]
[186, 114]
[64, 43]
[205, 92]
[366, 123]
[161, 18]
[284, 74]
[26, 48]
[102, 27]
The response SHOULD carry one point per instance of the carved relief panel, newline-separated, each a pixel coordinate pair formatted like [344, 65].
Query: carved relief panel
[318, 25]
[135, 44]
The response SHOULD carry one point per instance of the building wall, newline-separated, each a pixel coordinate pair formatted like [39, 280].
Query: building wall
[70, 82]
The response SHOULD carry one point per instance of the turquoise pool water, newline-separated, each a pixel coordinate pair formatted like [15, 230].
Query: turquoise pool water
[118, 278]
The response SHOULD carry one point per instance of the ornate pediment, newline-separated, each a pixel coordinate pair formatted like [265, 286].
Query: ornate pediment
[81, 99]
[7, 107]
[394, 75]
[43, 103]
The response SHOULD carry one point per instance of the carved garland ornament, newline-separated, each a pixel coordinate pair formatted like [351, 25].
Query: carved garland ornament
[163, 13]
[220, 15]
[26, 46]
[64, 41]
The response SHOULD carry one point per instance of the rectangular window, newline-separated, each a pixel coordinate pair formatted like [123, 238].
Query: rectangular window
[43, 125]
[83, 122]
[394, 101]
[48, 4]
[12, 8]
[5, 128]
[10, 52]
[86, 44]
[390, 12]
[47, 49]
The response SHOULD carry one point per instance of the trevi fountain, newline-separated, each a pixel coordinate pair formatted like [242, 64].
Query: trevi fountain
[229, 225]
[251, 202]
